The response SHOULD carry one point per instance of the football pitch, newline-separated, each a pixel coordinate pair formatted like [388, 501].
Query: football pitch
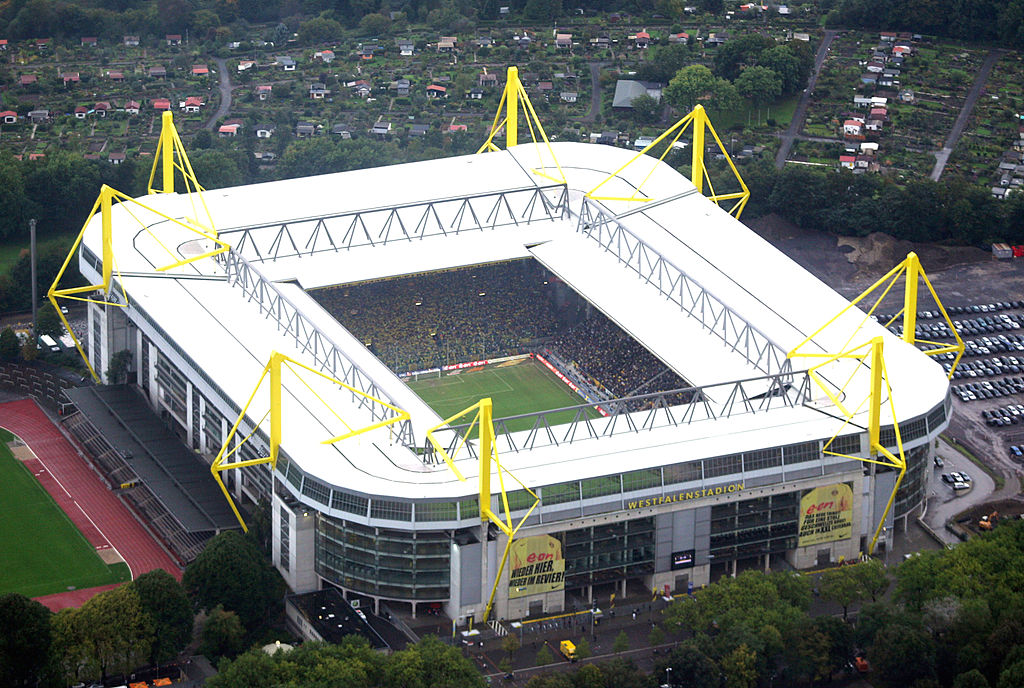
[515, 387]
[41, 549]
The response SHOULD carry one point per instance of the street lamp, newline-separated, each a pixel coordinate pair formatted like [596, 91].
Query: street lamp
[668, 676]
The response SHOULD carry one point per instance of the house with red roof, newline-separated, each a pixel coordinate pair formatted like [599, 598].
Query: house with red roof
[27, 79]
[681, 37]
[42, 43]
[847, 161]
[89, 41]
[227, 130]
[132, 107]
[192, 104]
[435, 91]
[643, 39]
[9, 117]
[115, 76]
[264, 91]
[70, 78]
[161, 104]
[81, 111]
[3, 44]
[101, 108]
[200, 70]
[173, 39]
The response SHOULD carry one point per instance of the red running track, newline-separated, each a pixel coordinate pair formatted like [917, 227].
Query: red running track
[103, 519]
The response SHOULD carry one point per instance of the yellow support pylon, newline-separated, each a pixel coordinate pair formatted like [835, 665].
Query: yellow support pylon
[512, 98]
[170, 156]
[700, 122]
[483, 419]
[273, 370]
[871, 353]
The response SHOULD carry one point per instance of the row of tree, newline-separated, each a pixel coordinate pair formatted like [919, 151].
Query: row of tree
[146, 622]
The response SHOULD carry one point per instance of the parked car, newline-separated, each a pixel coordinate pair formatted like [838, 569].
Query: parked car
[937, 460]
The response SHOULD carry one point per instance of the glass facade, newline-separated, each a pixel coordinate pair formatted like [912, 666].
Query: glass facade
[912, 490]
[611, 552]
[381, 561]
[754, 527]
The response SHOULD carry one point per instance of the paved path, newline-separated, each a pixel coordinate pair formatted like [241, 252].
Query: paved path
[225, 93]
[942, 157]
[101, 517]
[797, 123]
[595, 92]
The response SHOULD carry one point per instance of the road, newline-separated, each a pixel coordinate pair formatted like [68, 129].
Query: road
[225, 93]
[797, 122]
[942, 157]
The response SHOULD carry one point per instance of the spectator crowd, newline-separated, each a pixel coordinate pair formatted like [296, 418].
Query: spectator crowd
[423, 321]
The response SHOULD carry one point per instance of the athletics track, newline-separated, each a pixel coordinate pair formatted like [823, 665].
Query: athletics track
[104, 520]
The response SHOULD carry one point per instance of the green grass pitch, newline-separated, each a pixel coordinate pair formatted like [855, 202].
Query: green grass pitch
[522, 386]
[41, 549]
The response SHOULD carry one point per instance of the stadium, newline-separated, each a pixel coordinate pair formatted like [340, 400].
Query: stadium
[672, 399]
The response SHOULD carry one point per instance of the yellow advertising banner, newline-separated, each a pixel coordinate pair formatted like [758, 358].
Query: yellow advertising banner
[537, 566]
[826, 514]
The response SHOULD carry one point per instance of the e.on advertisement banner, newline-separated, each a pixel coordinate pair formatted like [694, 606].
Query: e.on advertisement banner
[537, 566]
[826, 514]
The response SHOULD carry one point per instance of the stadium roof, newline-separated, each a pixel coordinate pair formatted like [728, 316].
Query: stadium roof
[281, 228]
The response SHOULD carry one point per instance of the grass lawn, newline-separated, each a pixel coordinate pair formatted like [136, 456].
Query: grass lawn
[41, 549]
[525, 386]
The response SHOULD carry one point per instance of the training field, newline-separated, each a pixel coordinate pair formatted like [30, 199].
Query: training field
[515, 387]
[41, 550]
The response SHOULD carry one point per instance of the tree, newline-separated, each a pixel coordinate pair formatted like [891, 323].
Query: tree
[48, 322]
[842, 586]
[319, 30]
[688, 660]
[740, 668]
[971, 679]
[621, 643]
[656, 636]
[759, 84]
[223, 635]
[108, 634]
[902, 654]
[24, 639]
[873, 579]
[695, 85]
[230, 571]
[374, 24]
[510, 644]
[582, 648]
[166, 603]
[1012, 676]
[544, 656]
[120, 362]
[792, 71]
[9, 346]
[646, 108]
[589, 676]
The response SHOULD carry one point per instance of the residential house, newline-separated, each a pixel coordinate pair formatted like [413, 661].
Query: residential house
[447, 44]
[875, 67]
[847, 161]
[325, 56]
[896, 61]
[39, 116]
[3, 44]
[360, 88]
[116, 158]
[342, 131]
[131, 41]
[484, 42]
[173, 39]
[244, 65]
[191, 104]
[907, 96]
[318, 91]
[435, 91]
[862, 101]
[563, 41]
[27, 79]
[869, 79]
[891, 72]
[70, 78]
[263, 91]
[608, 138]
[784, 10]
[801, 36]
[200, 70]
[161, 104]
[869, 148]
[132, 107]
[878, 113]
[642, 142]
[88, 41]
[875, 125]
[862, 162]
[568, 96]
[716, 39]
[365, 52]
[642, 39]
[228, 130]
[157, 72]
[9, 117]
[42, 43]
[402, 87]
[522, 41]
[681, 37]
[888, 36]
[286, 63]
[101, 108]
[115, 76]
[406, 47]
[419, 129]
[503, 11]
[381, 129]
[545, 87]
[627, 89]
[475, 94]
[457, 127]
[264, 131]
[600, 42]
[903, 49]
[887, 80]
[305, 129]
[999, 192]
[853, 127]
[879, 101]
[487, 79]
